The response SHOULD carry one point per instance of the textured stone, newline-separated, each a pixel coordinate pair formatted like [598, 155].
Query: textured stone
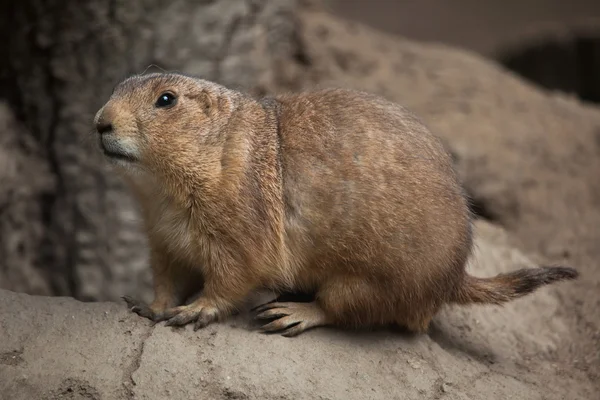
[55, 347]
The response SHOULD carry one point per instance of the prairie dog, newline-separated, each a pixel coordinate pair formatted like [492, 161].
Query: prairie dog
[334, 192]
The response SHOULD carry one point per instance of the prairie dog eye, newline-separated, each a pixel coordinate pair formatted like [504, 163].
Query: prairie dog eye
[166, 100]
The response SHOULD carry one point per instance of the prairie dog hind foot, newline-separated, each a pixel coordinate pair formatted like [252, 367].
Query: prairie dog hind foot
[290, 319]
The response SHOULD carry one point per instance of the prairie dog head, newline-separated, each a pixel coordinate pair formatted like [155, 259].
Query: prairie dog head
[165, 124]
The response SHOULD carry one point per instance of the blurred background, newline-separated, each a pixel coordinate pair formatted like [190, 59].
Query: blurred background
[554, 43]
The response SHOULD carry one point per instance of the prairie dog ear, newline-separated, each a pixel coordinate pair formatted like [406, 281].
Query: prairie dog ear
[207, 102]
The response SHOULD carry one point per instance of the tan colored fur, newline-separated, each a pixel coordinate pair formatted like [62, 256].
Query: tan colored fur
[335, 192]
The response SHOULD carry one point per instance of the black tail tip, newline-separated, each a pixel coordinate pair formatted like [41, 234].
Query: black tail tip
[559, 272]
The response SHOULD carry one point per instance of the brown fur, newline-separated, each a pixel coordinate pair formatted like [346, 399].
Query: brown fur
[335, 192]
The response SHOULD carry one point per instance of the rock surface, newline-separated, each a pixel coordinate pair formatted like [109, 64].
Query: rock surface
[484, 27]
[59, 348]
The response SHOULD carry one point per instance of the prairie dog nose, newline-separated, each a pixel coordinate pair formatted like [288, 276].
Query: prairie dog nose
[104, 121]
[103, 127]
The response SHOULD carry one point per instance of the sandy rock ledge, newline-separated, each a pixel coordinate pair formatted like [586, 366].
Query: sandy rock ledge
[59, 348]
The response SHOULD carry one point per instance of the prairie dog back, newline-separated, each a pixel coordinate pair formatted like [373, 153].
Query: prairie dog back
[376, 194]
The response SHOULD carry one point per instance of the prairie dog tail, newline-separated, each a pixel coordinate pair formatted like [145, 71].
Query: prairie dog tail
[506, 287]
